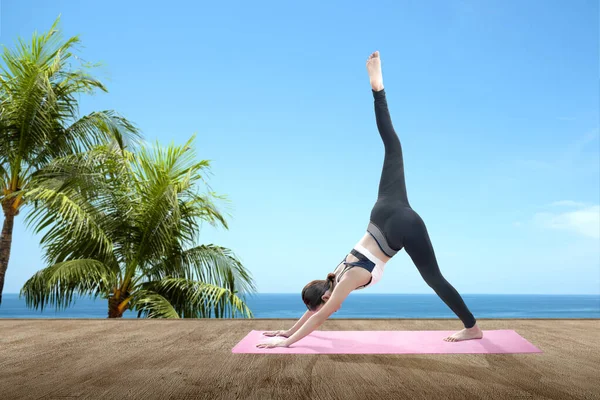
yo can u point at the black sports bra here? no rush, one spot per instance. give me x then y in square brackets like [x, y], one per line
[362, 262]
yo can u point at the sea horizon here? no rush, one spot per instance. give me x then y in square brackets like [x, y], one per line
[359, 306]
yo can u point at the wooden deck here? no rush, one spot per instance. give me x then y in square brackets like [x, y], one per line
[192, 359]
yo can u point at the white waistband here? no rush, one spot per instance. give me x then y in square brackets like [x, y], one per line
[369, 255]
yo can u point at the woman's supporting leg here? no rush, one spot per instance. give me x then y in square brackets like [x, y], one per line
[418, 246]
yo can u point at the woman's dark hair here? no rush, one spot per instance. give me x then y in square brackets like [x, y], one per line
[313, 291]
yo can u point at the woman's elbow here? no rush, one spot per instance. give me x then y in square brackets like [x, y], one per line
[323, 315]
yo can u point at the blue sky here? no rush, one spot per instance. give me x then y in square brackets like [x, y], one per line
[495, 102]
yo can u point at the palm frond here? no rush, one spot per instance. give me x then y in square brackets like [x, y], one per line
[152, 305]
[84, 206]
[194, 299]
[105, 126]
[73, 226]
[219, 266]
[57, 284]
[88, 132]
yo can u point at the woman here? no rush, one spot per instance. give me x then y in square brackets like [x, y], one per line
[393, 225]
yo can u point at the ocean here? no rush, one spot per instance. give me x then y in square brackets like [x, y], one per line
[362, 306]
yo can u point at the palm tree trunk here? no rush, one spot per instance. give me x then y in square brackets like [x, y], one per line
[6, 242]
[113, 307]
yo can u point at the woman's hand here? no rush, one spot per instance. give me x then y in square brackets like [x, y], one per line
[273, 344]
[277, 333]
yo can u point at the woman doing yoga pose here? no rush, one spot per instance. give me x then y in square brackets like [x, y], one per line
[393, 225]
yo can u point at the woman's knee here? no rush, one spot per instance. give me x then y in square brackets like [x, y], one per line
[435, 280]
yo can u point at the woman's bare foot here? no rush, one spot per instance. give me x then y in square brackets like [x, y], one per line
[468, 333]
[374, 69]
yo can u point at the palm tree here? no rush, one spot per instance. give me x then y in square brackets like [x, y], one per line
[39, 120]
[125, 227]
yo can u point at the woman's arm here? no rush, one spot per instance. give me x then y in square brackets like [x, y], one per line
[340, 292]
[312, 324]
[309, 313]
[300, 322]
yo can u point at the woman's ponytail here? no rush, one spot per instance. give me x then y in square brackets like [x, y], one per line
[331, 280]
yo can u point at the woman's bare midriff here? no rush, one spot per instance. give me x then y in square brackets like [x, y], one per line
[370, 244]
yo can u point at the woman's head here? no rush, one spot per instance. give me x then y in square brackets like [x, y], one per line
[317, 292]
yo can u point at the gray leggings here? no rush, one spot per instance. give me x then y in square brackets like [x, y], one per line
[395, 225]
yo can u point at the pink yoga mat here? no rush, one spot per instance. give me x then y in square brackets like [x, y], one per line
[391, 342]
